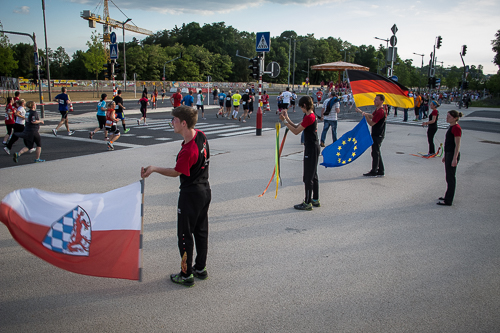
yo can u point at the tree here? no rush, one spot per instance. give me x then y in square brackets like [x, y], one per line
[95, 57]
[496, 48]
[7, 62]
[59, 61]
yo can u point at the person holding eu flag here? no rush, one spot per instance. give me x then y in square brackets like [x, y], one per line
[377, 121]
[309, 125]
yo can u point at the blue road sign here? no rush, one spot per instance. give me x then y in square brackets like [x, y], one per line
[394, 78]
[113, 51]
[36, 58]
[112, 38]
[263, 42]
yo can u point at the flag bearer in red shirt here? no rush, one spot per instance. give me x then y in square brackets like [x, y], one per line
[194, 197]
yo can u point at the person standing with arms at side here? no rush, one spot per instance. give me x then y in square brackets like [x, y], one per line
[30, 134]
[101, 117]
[194, 197]
[119, 110]
[176, 98]
[10, 120]
[309, 125]
[451, 156]
[63, 100]
[331, 107]
[188, 100]
[377, 121]
[319, 96]
[432, 129]
[144, 108]
[418, 103]
[199, 104]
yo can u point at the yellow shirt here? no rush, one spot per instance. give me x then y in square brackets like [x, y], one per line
[236, 99]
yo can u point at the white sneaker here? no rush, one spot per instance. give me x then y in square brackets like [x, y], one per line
[7, 150]
[71, 132]
[32, 150]
[138, 122]
[54, 131]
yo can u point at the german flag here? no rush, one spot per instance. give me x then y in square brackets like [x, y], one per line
[365, 86]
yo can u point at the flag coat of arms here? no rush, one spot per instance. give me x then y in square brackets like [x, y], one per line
[366, 85]
[349, 147]
[92, 234]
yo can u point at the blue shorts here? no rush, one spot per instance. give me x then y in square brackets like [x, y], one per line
[119, 115]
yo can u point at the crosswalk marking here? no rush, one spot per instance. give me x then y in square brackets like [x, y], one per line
[244, 132]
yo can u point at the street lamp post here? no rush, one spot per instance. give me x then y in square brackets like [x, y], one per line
[289, 56]
[308, 59]
[386, 40]
[421, 69]
[124, 55]
[47, 69]
[294, 48]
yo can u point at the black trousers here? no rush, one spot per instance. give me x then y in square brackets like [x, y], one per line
[192, 221]
[377, 164]
[13, 138]
[431, 132]
[310, 177]
[451, 179]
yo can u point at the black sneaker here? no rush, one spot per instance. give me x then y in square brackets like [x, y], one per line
[185, 281]
[370, 174]
[200, 274]
[380, 174]
[304, 206]
[315, 203]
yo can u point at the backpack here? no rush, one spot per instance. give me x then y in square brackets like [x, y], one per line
[330, 104]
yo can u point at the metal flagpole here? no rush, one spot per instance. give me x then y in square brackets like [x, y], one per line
[142, 230]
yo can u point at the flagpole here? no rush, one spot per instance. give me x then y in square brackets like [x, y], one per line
[142, 230]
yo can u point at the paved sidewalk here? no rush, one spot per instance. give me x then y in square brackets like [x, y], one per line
[378, 256]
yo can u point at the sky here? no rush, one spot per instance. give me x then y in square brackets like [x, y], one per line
[473, 23]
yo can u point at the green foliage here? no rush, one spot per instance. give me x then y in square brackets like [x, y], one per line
[95, 57]
[496, 48]
[493, 84]
[7, 62]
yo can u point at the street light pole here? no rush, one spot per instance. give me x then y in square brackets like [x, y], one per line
[124, 55]
[294, 48]
[47, 69]
[308, 59]
[421, 69]
[289, 56]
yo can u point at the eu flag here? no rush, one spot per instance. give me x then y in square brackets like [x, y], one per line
[349, 147]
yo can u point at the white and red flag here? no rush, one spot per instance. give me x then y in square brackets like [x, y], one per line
[91, 234]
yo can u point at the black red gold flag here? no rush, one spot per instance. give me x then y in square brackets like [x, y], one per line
[365, 86]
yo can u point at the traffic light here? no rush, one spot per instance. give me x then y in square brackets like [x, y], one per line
[464, 50]
[34, 77]
[255, 62]
[439, 42]
[466, 84]
[107, 68]
[42, 74]
[117, 69]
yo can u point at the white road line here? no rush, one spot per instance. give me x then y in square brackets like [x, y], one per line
[245, 132]
[74, 138]
[226, 130]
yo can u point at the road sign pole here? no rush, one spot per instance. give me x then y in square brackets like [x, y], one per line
[113, 76]
[258, 126]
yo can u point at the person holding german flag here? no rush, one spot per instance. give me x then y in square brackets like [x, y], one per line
[367, 87]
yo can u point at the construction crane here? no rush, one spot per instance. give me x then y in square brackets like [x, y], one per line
[110, 23]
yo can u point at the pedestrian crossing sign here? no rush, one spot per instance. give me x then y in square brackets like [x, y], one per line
[113, 51]
[263, 42]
